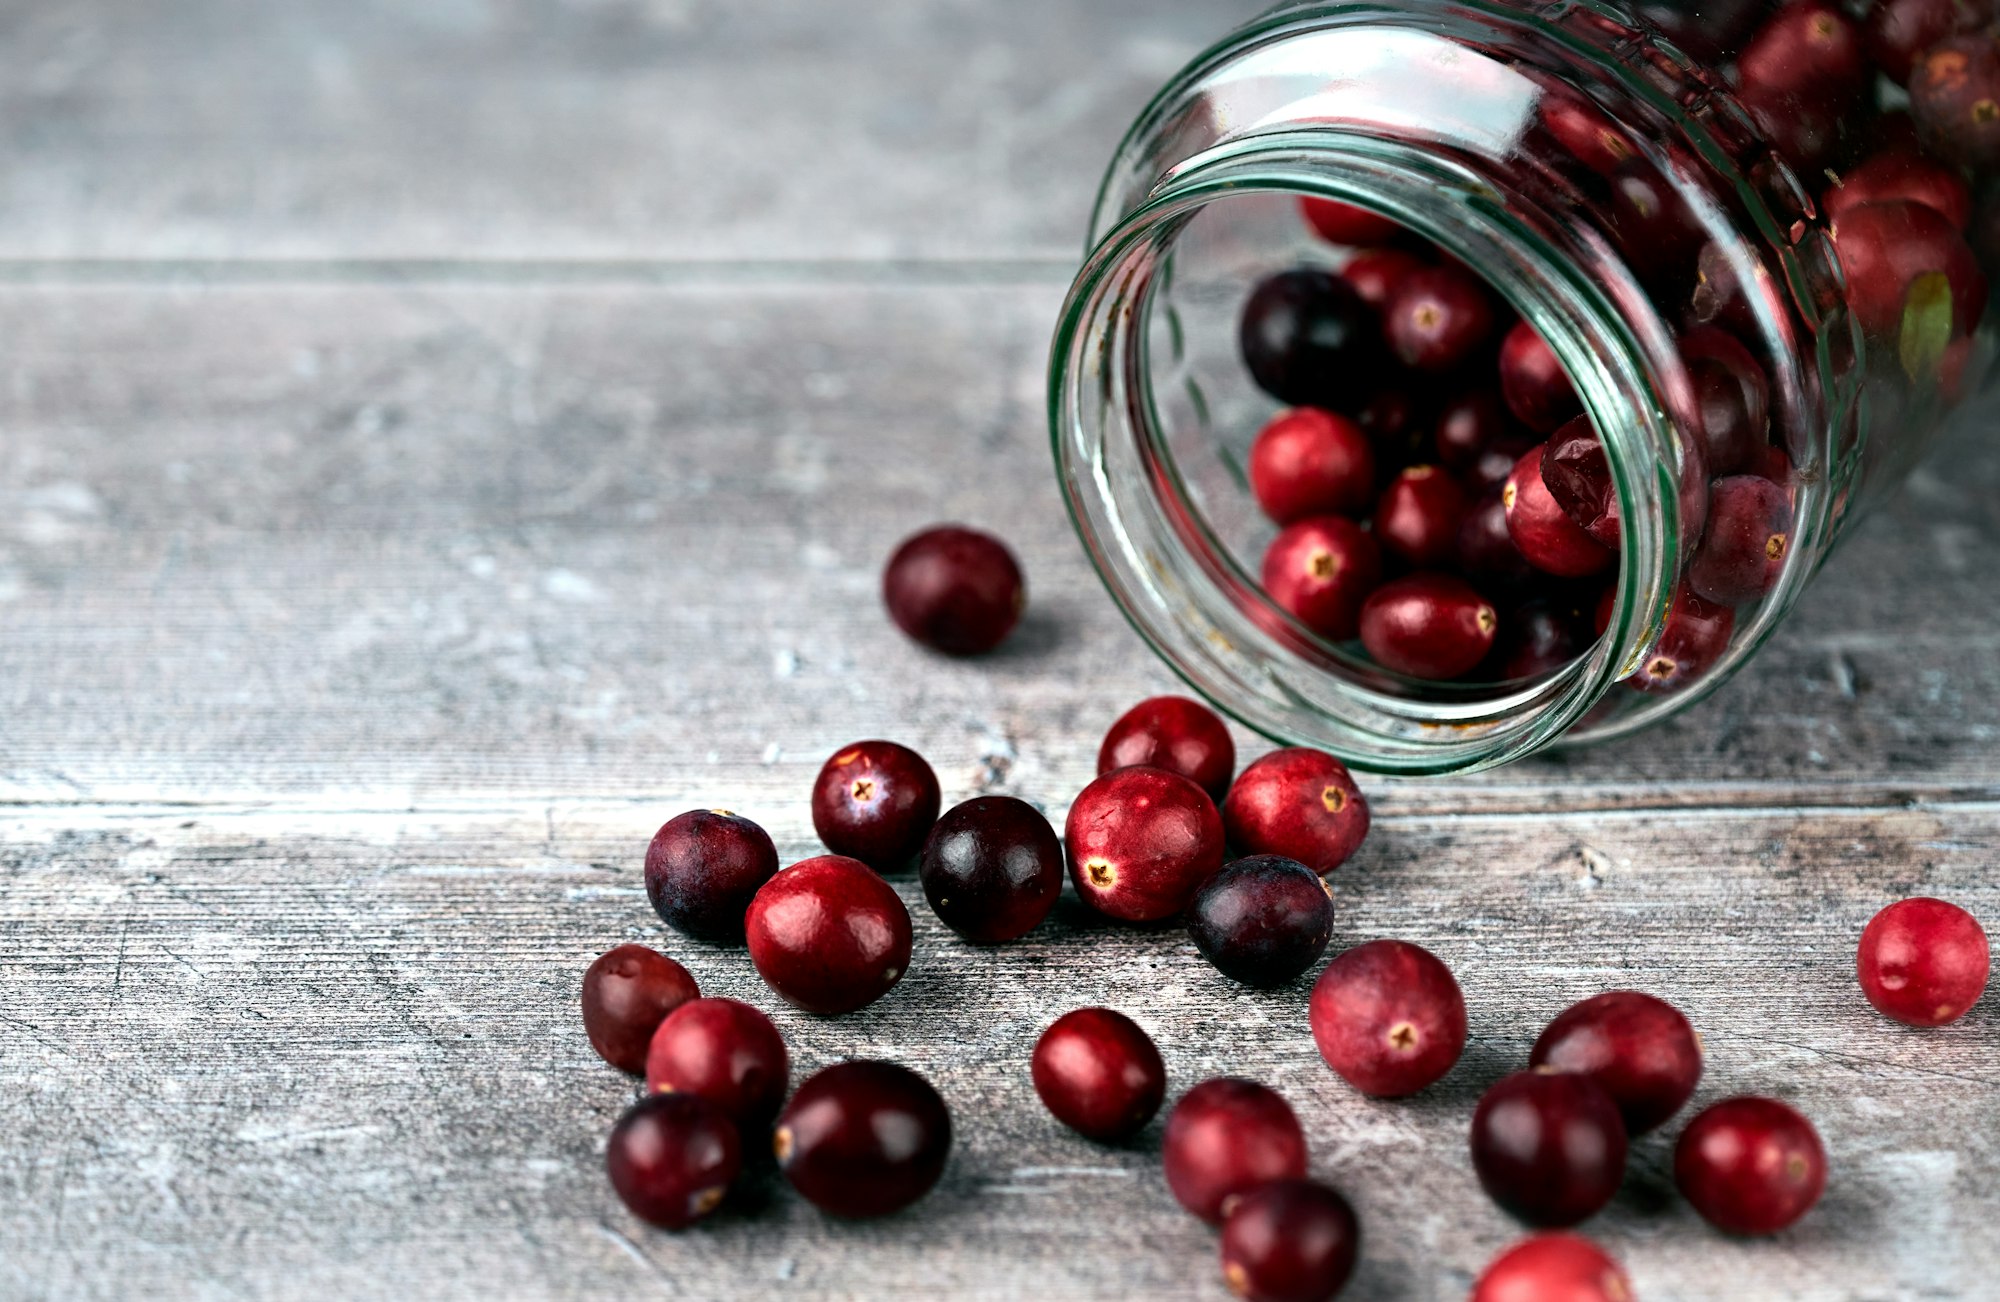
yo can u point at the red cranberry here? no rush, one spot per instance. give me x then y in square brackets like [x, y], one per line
[1471, 422]
[1554, 1268]
[1808, 49]
[1537, 388]
[1750, 1165]
[1175, 734]
[1299, 803]
[1388, 1017]
[1376, 274]
[1418, 516]
[955, 590]
[863, 1138]
[1289, 1241]
[702, 869]
[627, 992]
[672, 1157]
[1577, 474]
[1139, 841]
[1486, 550]
[1099, 1074]
[1659, 236]
[1906, 260]
[1810, 133]
[1923, 962]
[1308, 339]
[1548, 1146]
[992, 869]
[1733, 395]
[1346, 223]
[1955, 98]
[727, 1052]
[1641, 1050]
[1261, 920]
[829, 935]
[1898, 31]
[875, 801]
[1546, 536]
[1321, 570]
[1589, 135]
[1887, 178]
[1694, 637]
[1428, 626]
[1309, 462]
[1225, 1137]
[1541, 637]
[1749, 539]
[1438, 317]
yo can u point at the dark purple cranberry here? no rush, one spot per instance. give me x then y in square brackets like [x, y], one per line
[1537, 388]
[727, 1052]
[1694, 637]
[1548, 1146]
[1577, 474]
[1748, 541]
[1554, 1268]
[1175, 734]
[1546, 536]
[829, 935]
[1732, 395]
[1289, 1241]
[672, 1158]
[1376, 274]
[1346, 223]
[1099, 1074]
[702, 870]
[1889, 177]
[992, 869]
[1309, 340]
[1470, 423]
[1898, 31]
[1388, 1016]
[1438, 318]
[875, 801]
[1907, 267]
[863, 1138]
[1750, 1165]
[628, 992]
[1489, 473]
[1299, 803]
[1639, 1049]
[1924, 962]
[1320, 571]
[1139, 841]
[1417, 516]
[1955, 98]
[1225, 1137]
[1309, 462]
[1541, 637]
[1810, 133]
[955, 590]
[1659, 237]
[1428, 625]
[1261, 920]
[1486, 551]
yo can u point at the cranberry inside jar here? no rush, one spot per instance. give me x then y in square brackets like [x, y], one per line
[1660, 310]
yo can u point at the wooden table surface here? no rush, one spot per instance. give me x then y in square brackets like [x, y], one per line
[440, 441]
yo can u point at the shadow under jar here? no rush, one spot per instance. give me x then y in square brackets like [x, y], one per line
[1648, 194]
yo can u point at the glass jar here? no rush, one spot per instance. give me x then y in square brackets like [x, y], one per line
[1753, 262]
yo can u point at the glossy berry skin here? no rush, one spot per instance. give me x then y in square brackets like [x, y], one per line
[1139, 841]
[1437, 318]
[1732, 395]
[727, 1052]
[1906, 174]
[1900, 257]
[1750, 1165]
[1546, 536]
[1549, 1147]
[1261, 920]
[1486, 552]
[1225, 1137]
[1346, 223]
[1748, 541]
[1809, 50]
[1376, 274]
[672, 1158]
[992, 869]
[1694, 637]
[1955, 99]
[1638, 1048]
[829, 935]
[1175, 734]
[1289, 1241]
[1541, 636]
[1309, 462]
[1308, 339]
[627, 992]
[1099, 1074]
[875, 801]
[1388, 1017]
[1536, 387]
[1417, 517]
[1427, 625]
[863, 1138]
[1577, 474]
[1320, 571]
[1469, 423]
[1591, 137]
[1554, 1268]
[955, 590]
[1898, 31]
[1300, 803]
[702, 869]
[1923, 962]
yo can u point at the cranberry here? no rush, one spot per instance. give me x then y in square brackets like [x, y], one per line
[1139, 841]
[1261, 920]
[702, 869]
[1548, 1146]
[1898, 31]
[1225, 1137]
[1175, 734]
[829, 935]
[1289, 1241]
[626, 993]
[1808, 49]
[1308, 339]
[1346, 223]
[1748, 541]
[1694, 637]
[1438, 317]
[1553, 1268]
[1886, 178]
[1640, 1049]
[955, 590]
[1709, 30]
[1750, 1165]
[1321, 570]
[1923, 962]
[1577, 474]
[728, 1053]
[1099, 1074]
[1299, 803]
[1541, 637]
[1906, 261]
[1376, 274]
[1309, 462]
[1428, 626]
[1955, 98]
[1733, 395]
[1537, 388]
[1592, 138]
[1486, 550]
[1418, 516]
[1489, 473]
[1810, 133]
[992, 869]
[875, 801]
[863, 1138]
[1547, 537]
[1653, 226]
[672, 1157]
[1471, 422]
[1388, 1017]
